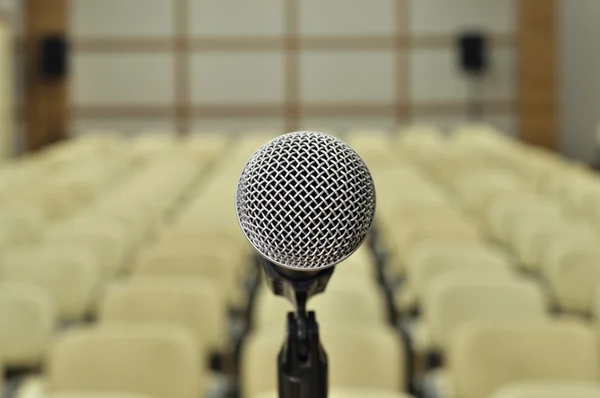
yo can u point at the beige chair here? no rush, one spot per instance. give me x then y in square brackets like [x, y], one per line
[159, 362]
[456, 299]
[406, 241]
[135, 218]
[191, 234]
[478, 188]
[105, 225]
[107, 245]
[418, 139]
[87, 394]
[349, 305]
[25, 225]
[549, 389]
[580, 191]
[28, 321]
[534, 238]
[192, 304]
[199, 264]
[353, 393]
[211, 241]
[270, 310]
[207, 144]
[361, 356]
[573, 234]
[506, 211]
[439, 257]
[405, 216]
[355, 303]
[573, 271]
[354, 273]
[69, 275]
[484, 357]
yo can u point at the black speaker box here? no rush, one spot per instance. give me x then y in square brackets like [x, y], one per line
[53, 56]
[472, 47]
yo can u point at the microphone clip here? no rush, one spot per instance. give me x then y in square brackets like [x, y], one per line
[297, 286]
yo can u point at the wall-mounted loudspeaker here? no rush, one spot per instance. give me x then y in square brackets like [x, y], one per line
[53, 51]
[472, 48]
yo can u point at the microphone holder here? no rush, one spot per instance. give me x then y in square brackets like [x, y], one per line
[302, 362]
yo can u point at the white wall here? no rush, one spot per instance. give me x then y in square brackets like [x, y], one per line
[579, 64]
[257, 78]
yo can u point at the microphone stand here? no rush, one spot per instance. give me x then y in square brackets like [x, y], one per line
[302, 362]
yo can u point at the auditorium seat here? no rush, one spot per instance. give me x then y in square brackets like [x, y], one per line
[103, 224]
[206, 240]
[68, 274]
[355, 393]
[24, 224]
[456, 299]
[342, 303]
[134, 218]
[361, 356]
[439, 256]
[484, 357]
[348, 304]
[270, 311]
[207, 144]
[412, 209]
[213, 266]
[505, 211]
[477, 188]
[192, 233]
[354, 271]
[533, 240]
[549, 389]
[408, 238]
[572, 271]
[106, 244]
[28, 319]
[155, 361]
[373, 146]
[580, 191]
[87, 394]
[191, 303]
[416, 140]
[368, 140]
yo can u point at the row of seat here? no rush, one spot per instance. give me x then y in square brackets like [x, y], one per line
[58, 274]
[452, 235]
[181, 286]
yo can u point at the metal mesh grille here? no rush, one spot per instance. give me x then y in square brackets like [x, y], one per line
[305, 200]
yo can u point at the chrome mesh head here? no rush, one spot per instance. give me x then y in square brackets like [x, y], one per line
[305, 200]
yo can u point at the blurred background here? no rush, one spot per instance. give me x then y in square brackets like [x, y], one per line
[181, 66]
[124, 125]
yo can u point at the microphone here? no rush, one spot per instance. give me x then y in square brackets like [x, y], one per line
[305, 201]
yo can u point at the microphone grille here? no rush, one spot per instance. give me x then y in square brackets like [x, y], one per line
[305, 200]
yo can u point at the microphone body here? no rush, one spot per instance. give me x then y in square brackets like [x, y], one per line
[305, 201]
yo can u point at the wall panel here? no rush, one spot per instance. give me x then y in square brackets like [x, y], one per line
[234, 78]
[118, 79]
[122, 18]
[290, 64]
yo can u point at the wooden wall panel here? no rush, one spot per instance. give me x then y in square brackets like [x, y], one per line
[47, 101]
[537, 74]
